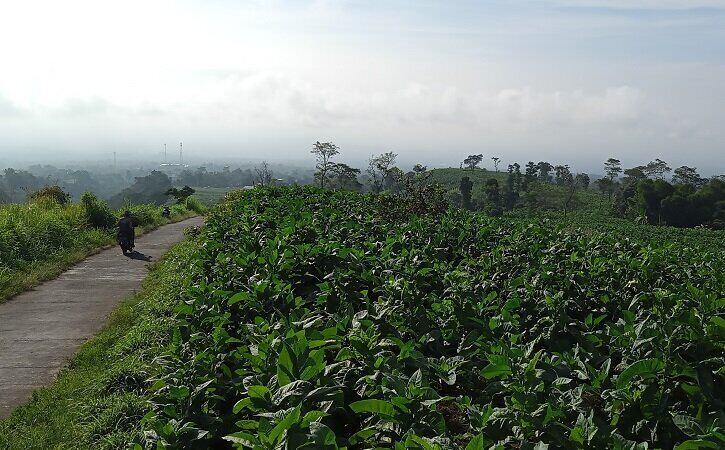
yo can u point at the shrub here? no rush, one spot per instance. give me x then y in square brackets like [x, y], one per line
[98, 214]
[193, 204]
[53, 193]
[144, 214]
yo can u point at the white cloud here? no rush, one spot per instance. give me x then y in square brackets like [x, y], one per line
[9, 109]
[646, 4]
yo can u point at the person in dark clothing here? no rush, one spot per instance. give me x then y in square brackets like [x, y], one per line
[126, 233]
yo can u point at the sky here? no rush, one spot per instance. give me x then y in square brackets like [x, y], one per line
[564, 81]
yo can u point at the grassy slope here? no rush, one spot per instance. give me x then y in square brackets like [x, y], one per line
[93, 241]
[208, 196]
[95, 402]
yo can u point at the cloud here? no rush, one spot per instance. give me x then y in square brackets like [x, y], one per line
[8, 109]
[261, 98]
[645, 4]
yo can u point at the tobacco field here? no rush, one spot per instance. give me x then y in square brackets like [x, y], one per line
[313, 321]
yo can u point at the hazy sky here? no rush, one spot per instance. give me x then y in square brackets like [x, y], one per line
[433, 80]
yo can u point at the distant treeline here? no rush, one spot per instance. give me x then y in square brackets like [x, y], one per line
[16, 185]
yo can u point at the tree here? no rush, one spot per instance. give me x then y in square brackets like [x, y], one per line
[612, 167]
[419, 168]
[323, 151]
[656, 169]
[687, 175]
[511, 190]
[149, 189]
[649, 198]
[493, 197]
[634, 174]
[544, 168]
[345, 177]
[466, 188]
[567, 181]
[53, 193]
[560, 172]
[379, 170]
[606, 185]
[265, 174]
[495, 160]
[532, 171]
[472, 161]
[180, 194]
[582, 180]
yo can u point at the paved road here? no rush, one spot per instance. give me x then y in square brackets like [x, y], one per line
[42, 328]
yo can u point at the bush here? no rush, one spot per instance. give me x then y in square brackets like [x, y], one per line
[53, 193]
[98, 214]
[144, 215]
[193, 204]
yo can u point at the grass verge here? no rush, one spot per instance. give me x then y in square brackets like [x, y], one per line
[97, 401]
[17, 282]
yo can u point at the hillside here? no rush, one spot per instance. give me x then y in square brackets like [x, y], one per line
[306, 316]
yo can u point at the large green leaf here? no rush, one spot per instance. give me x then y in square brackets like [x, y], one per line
[644, 368]
[374, 406]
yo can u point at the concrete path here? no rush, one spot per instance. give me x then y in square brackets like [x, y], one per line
[42, 328]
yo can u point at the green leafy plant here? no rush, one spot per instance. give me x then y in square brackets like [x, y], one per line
[315, 321]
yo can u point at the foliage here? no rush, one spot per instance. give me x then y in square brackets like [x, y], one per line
[50, 193]
[612, 167]
[466, 187]
[98, 214]
[472, 161]
[682, 205]
[344, 177]
[314, 322]
[180, 194]
[194, 204]
[324, 152]
[380, 171]
[264, 174]
[151, 188]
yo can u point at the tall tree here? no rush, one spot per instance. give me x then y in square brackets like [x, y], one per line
[495, 160]
[493, 197]
[472, 161]
[466, 187]
[511, 190]
[656, 169]
[380, 170]
[419, 168]
[559, 173]
[687, 175]
[612, 167]
[324, 151]
[582, 179]
[344, 177]
[567, 181]
[606, 185]
[264, 174]
[634, 174]
[544, 169]
[532, 171]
